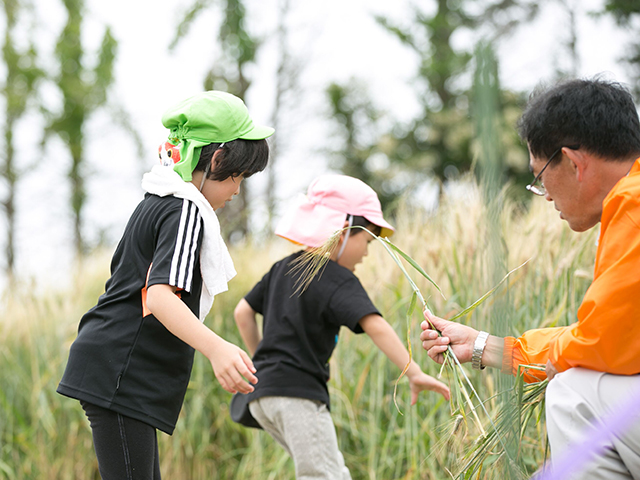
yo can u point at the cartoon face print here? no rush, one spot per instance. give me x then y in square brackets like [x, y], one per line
[169, 154]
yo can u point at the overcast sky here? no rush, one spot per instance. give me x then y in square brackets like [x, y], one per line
[335, 39]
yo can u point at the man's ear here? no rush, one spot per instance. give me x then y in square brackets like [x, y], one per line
[579, 161]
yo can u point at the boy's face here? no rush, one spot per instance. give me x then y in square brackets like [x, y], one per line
[356, 249]
[219, 192]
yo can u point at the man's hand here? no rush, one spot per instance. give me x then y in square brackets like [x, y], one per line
[460, 337]
[551, 370]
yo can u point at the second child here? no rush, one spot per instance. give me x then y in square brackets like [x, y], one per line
[300, 331]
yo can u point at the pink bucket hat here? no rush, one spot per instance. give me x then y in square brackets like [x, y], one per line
[314, 217]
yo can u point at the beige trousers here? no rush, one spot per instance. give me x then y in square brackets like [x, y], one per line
[306, 431]
[581, 408]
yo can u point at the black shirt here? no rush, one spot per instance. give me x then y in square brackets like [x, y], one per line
[300, 331]
[124, 359]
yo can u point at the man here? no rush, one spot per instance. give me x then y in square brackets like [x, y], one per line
[584, 143]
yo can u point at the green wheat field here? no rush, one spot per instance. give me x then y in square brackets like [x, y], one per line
[44, 435]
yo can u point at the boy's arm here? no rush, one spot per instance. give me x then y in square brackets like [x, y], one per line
[245, 317]
[230, 363]
[386, 339]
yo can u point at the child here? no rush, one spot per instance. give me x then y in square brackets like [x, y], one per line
[291, 401]
[131, 362]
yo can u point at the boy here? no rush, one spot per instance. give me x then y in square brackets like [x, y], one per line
[131, 362]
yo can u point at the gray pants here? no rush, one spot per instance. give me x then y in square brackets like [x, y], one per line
[577, 401]
[306, 431]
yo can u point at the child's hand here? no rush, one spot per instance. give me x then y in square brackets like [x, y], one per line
[230, 363]
[421, 381]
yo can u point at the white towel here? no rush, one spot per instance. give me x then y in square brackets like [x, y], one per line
[216, 265]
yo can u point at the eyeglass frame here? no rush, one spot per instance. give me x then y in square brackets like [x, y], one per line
[532, 186]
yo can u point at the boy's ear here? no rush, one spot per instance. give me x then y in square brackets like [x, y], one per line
[215, 159]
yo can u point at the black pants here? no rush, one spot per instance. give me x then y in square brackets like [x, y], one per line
[127, 449]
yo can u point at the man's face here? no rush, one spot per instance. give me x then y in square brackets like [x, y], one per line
[571, 190]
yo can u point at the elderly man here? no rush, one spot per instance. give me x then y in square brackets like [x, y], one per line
[584, 143]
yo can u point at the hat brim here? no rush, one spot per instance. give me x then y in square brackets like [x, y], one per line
[258, 132]
[386, 230]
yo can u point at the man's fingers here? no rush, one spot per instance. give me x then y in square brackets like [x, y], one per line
[436, 353]
[429, 335]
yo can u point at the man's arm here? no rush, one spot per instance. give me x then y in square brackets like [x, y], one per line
[245, 318]
[229, 362]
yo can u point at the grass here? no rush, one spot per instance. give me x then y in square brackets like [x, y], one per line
[44, 435]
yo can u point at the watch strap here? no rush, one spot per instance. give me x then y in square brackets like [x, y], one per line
[478, 350]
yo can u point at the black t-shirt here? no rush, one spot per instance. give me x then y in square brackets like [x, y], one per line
[300, 331]
[124, 359]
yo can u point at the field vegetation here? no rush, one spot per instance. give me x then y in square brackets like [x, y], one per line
[44, 435]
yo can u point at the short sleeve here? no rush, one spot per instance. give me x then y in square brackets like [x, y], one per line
[177, 248]
[349, 303]
[256, 297]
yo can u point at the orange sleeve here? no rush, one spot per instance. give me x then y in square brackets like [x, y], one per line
[607, 335]
[531, 348]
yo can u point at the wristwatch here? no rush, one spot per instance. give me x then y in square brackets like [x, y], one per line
[478, 349]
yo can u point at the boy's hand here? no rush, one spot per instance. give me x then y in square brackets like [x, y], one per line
[422, 381]
[230, 364]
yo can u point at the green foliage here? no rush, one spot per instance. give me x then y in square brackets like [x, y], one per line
[622, 10]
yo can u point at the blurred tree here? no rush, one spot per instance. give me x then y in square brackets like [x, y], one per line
[229, 73]
[84, 90]
[357, 119]
[571, 44]
[627, 14]
[18, 88]
[287, 92]
[440, 140]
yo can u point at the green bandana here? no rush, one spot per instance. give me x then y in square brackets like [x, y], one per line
[209, 117]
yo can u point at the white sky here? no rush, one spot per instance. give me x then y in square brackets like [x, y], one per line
[336, 40]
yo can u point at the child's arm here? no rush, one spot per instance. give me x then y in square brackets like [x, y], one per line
[230, 363]
[386, 339]
[245, 317]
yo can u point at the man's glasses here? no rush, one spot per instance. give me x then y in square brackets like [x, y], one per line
[539, 189]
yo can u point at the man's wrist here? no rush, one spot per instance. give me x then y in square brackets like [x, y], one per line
[478, 349]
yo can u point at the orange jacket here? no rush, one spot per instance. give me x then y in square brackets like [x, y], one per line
[606, 336]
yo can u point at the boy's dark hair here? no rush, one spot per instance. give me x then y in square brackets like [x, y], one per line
[598, 115]
[359, 221]
[239, 157]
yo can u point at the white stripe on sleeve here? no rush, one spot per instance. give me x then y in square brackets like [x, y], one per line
[192, 254]
[175, 259]
[186, 249]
